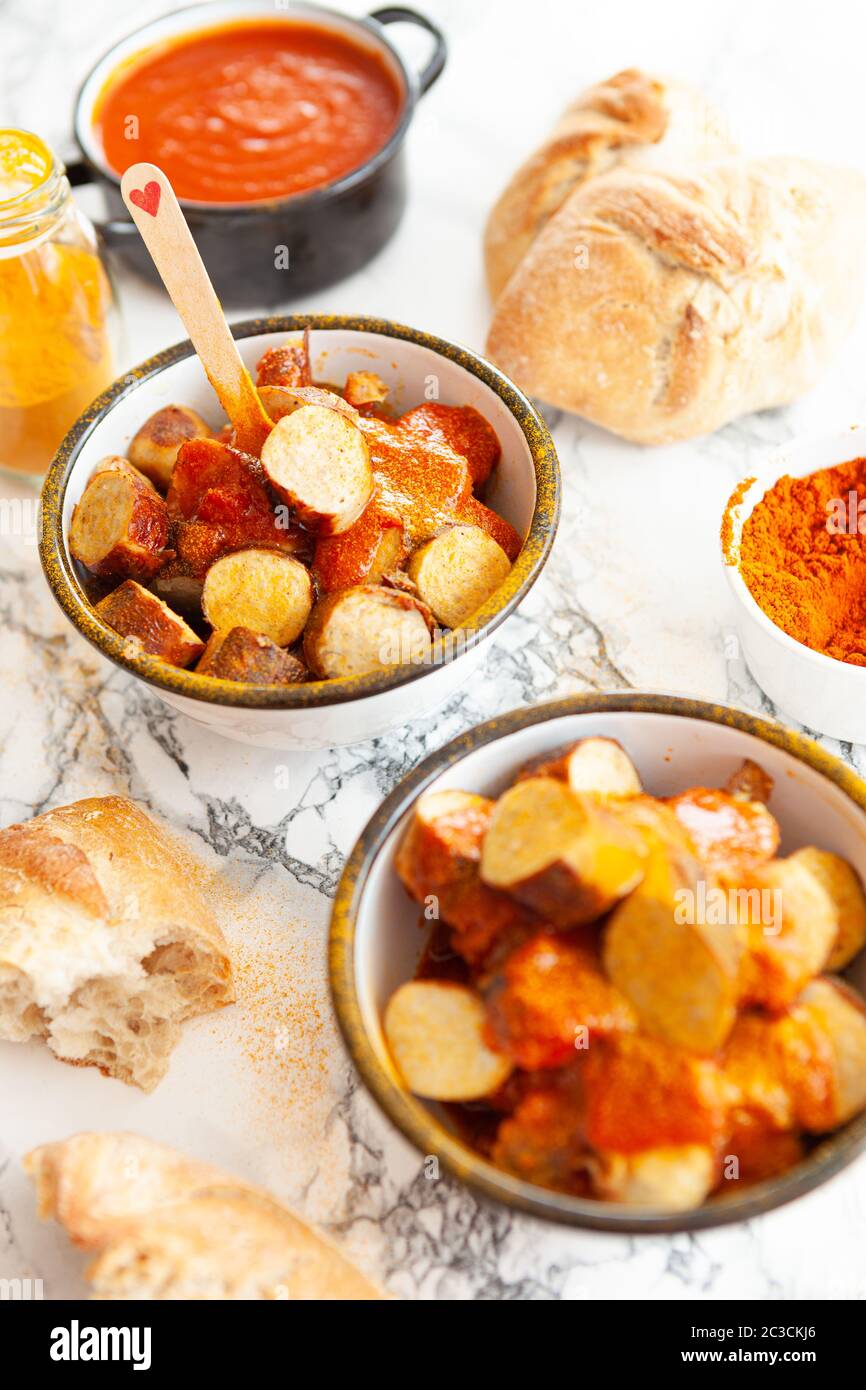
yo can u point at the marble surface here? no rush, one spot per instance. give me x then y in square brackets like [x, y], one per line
[633, 597]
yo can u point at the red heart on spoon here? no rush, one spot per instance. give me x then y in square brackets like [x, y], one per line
[146, 198]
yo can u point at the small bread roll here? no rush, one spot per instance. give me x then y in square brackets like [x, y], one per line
[731, 835]
[154, 448]
[367, 628]
[120, 525]
[671, 1178]
[263, 590]
[435, 1032]
[318, 462]
[680, 973]
[792, 926]
[845, 891]
[597, 766]
[458, 571]
[136, 613]
[242, 655]
[558, 853]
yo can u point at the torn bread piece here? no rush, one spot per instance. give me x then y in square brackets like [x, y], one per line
[559, 853]
[597, 766]
[120, 525]
[435, 1031]
[154, 448]
[263, 590]
[319, 463]
[368, 628]
[242, 655]
[458, 571]
[138, 614]
[105, 945]
[163, 1226]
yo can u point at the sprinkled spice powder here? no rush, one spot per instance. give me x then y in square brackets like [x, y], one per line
[803, 558]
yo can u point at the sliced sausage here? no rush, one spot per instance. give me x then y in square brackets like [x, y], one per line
[154, 448]
[550, 998]
[731, 835]
[642, 1094]
[364, 554]
[845, 891]
[558, 853]
[262, 590]
[242, 655]
[136, 613]
[674, 1177]
[365, 388]
[319, 464]
[463, 429]
[288, 365]
[458, 571]
[206, 464]
[679, 970]
[178, 586]
[441, 846]
[284, 400]
[367, 628]
[597, 766]
[791, 925]
[750, 783]
[474, 513]
[120, 525]
[435, 1033]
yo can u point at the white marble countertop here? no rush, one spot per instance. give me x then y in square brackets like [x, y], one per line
[633, 597]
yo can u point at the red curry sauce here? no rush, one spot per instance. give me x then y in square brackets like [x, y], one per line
[250, 111]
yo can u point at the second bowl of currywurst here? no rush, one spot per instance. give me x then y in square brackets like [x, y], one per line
[605, 960]
[345, 579]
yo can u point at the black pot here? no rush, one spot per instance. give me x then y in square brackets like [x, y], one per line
[327, 233]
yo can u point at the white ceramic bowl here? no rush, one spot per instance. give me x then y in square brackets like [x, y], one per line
[825, 695]
[320, 714]
[376, 944]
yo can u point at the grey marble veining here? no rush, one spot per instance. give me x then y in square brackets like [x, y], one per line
[633, 597]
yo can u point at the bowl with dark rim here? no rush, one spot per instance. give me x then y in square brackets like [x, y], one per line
[375, 941]
[525, 489]
[330, 231]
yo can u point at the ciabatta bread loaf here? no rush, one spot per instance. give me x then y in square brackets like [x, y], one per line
[632, 119]
[663, 305]
[168, 1227]
[105, 945]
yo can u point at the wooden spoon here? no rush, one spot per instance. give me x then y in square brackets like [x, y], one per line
[157, 214]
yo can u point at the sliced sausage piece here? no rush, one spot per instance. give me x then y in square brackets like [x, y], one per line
[154, 448]
[179, 587]
[679, 969]
[597, 766]
[845, 891]
[242, 655]
[365, 388]
[458, 571]
[760, 1152]
[750, 783]
[262, 590]
[366, 629]
[288, 365]
[441, 847]
[558, 853]
[435, 1033]
[474, 513]
[120, 525]
[204, 465]
[136, 613]
[364, 554]
[318, 462]
[674, 1177]
[550, 999]
[792, 926]
[834, 1016]
[643, 1094]
[284, 400]
[463, 429]
[731, 835]
[542, 1141]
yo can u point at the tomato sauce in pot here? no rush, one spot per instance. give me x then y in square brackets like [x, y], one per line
[250, 111]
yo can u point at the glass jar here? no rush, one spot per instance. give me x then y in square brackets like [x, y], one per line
[58, 320]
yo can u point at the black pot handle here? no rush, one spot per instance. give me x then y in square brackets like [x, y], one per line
[79, 172]
[398, 14]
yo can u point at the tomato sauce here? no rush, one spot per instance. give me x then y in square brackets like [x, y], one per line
[250, 111]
